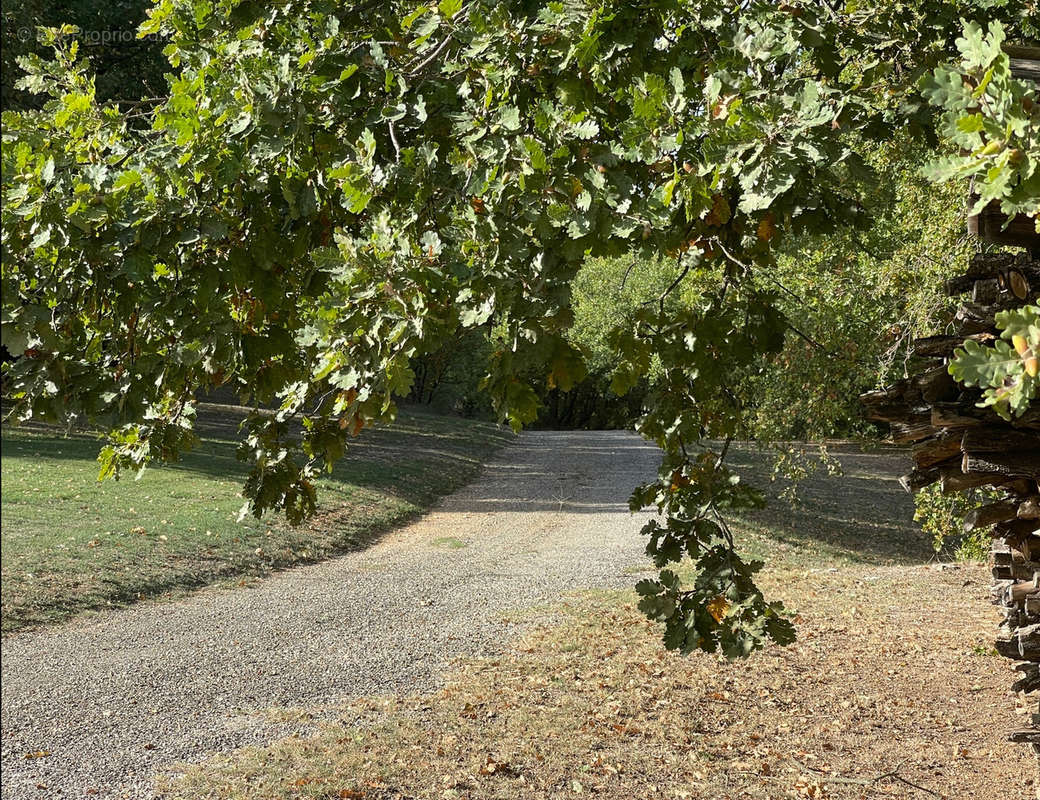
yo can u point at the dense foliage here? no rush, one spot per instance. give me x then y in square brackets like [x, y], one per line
[331, 191]
[856, 298]
[941, 516]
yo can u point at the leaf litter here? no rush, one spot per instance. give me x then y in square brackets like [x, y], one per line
[890, 691]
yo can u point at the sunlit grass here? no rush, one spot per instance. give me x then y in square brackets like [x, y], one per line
[72, 544]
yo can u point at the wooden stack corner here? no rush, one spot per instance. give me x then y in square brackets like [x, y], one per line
[961, 446]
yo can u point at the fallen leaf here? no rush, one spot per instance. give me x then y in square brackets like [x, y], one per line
[493, 767]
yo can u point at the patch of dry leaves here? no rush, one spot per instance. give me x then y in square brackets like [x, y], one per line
[891, 691]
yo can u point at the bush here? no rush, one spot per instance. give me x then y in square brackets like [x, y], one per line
[941, 517]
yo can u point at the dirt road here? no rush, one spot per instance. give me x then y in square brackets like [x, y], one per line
[96, 706]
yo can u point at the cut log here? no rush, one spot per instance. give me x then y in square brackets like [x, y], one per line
[1029, 545]
[935, 450]
[998, 549]
[1024, 61]
[995, 265]
[997, 284]
[992, 225]
[1030, 680]
[936, 385]
[1024, 584]
[954, 479]
[1000, 440]
[1022, 486]
[917, 479]
[1019, 283]
[962, 284]
[984, 265]
[1016, 464]
[1029, 508]
[985, 291]
[965, 414]
[984, 516]
[972, 319]
[884, 406]
[912, 430]
[943, 346]
[1013, 530]
[1022, 644]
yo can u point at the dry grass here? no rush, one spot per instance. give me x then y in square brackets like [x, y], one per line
[891, 691]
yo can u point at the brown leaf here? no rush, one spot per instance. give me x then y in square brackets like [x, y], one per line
[767, 227]
[493, 767]
[720, 211]
[718, 608]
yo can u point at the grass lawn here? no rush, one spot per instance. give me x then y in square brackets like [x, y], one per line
[863, 517]
[71, 544]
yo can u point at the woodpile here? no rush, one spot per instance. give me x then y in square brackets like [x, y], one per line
[960, 446]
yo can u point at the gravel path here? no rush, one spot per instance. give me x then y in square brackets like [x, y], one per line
[116, 698]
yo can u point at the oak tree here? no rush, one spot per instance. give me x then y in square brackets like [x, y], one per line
[330, 190]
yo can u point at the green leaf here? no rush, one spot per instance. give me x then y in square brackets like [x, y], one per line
[449, 8]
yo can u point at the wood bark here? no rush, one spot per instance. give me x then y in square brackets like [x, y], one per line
[962, 447]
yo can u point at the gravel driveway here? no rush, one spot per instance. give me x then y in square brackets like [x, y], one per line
[113, 699]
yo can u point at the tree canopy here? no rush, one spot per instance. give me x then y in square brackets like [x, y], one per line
[329, 191]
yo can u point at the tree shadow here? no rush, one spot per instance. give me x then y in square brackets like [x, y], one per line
[862, 515]
[394, 460]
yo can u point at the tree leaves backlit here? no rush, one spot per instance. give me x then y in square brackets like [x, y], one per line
[330, 190]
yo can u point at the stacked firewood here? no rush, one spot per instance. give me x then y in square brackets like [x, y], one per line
[962, 447]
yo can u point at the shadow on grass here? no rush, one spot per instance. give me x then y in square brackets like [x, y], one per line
[862, 516]
[389, 477]
[394, 460]
[71, 545]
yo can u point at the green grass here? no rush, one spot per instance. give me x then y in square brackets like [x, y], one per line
[862, 518]
[448, 542]
[71, 544]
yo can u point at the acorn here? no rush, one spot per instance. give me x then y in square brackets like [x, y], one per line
[992, 148]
